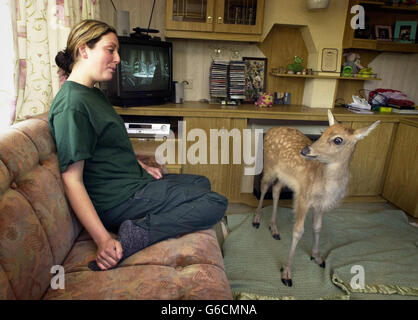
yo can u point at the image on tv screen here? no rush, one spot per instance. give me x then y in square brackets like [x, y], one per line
[144, 68]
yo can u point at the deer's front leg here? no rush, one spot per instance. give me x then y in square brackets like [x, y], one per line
[300, 212]
[316, 228]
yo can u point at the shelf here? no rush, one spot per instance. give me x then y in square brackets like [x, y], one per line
[383, 5]
[387, 46]
[284, 75]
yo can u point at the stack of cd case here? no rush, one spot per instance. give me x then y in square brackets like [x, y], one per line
[236, 80]
[219, 79]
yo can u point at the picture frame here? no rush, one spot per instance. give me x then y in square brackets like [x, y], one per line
[329, 60]
[405, 31]
[255, 77]
[383, 33]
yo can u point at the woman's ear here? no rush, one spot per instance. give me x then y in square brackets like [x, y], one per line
[82, 50]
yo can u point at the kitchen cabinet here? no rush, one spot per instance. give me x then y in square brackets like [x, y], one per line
[239, 20]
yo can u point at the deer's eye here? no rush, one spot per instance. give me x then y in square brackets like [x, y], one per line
[338, 140]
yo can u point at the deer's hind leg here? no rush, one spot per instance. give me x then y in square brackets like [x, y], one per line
[277, 187]
[266, 182]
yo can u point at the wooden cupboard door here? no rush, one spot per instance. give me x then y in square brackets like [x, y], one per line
[189, 15]
[369, 160]
[239, 16]
[224, 175]
[401, 185]
[237, 170]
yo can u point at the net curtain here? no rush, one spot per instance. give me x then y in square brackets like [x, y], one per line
[40, 29]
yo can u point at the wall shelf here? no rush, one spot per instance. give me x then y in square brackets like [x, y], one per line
[383, 46]
[285, 75]
[379, 13]
[383, 5]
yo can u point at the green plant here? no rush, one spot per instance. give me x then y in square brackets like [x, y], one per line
[296, 66]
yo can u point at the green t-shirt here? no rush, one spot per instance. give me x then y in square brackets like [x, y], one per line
[86, 127]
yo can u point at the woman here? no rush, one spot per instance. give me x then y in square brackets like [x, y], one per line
[107, 187]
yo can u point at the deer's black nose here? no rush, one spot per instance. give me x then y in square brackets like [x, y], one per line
[305, 151]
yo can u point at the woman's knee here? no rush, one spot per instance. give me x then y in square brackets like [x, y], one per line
[203, 182]
[218, 205]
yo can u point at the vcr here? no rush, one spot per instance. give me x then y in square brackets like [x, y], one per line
[147, 127]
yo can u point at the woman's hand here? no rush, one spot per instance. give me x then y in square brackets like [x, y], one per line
[155, 172]
[109, 253]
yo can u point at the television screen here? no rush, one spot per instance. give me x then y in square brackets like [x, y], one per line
[144, 75]
[144, 68]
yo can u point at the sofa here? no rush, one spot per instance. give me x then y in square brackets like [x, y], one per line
[40, 235]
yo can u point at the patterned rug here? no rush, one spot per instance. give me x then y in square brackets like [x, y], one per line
[368, 254]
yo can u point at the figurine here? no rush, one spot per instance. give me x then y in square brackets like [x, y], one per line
[352, 64]
[265, 100]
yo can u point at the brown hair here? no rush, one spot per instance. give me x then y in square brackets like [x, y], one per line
[86, 32]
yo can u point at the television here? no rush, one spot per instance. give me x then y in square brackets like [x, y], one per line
[144, 75]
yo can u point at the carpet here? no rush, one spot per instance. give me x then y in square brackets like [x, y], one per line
[368, 254]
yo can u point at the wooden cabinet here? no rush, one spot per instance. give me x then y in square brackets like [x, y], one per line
[240, 20]
[378, 13]
[224, 174]
[370, 160]
[190, 15]
[401, 185]
[372, 174]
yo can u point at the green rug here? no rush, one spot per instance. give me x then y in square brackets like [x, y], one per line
[381, 243]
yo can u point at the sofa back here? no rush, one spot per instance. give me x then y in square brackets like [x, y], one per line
[37, 226]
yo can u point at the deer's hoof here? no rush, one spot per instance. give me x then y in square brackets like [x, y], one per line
[274, 233]
[287, 282]
[322, 265]
[256, 225]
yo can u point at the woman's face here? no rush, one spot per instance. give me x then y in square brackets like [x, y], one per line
[103, 58]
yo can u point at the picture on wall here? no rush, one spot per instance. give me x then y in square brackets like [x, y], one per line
[405, 31]
[383, 33]
[255, 77]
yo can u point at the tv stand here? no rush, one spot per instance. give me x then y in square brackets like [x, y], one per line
[143, 34]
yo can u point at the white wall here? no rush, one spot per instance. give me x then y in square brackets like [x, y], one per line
[398, 72]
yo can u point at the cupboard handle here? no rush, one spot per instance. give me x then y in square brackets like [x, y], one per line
[209, 19]
[219, 19]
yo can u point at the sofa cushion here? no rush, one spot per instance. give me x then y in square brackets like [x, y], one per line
[188, 267]
[37, 228]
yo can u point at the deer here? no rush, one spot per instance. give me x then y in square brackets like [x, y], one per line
[317, 173]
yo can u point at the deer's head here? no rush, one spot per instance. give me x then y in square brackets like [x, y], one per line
[337, 143]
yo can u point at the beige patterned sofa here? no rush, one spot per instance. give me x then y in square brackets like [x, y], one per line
[38, 231]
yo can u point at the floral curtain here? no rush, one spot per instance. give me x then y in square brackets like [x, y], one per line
[41, 28]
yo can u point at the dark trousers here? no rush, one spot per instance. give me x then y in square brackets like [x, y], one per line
[169, 207]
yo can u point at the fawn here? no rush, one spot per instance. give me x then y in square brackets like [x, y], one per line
[318, 174]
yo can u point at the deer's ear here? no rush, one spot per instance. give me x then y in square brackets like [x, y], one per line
[363, 132]
[331, 119]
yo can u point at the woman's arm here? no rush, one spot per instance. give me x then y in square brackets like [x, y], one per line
[109, 250]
